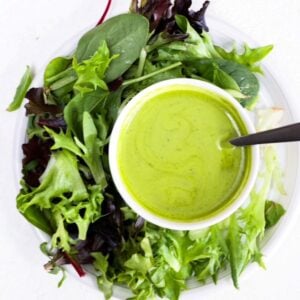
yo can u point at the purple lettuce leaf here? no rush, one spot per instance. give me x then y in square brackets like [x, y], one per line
[36, 156]
[37, 105]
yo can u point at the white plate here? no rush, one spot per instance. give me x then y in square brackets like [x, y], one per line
[271, 94]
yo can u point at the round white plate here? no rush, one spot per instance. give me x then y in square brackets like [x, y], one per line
[271, 94]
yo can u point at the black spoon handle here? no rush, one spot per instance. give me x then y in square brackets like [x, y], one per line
[289, 133]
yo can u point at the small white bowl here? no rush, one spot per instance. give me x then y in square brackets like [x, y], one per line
[139, 100]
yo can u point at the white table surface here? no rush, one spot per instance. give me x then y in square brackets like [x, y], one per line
[30, 31]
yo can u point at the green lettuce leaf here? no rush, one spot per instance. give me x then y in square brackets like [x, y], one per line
[101, 265]
[63, 193]
[92, 103]
[91, 72]
[248, 57]
[91, 148]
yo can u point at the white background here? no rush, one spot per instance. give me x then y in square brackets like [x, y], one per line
[30, 31]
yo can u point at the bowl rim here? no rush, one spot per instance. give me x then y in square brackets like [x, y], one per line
[138, 101]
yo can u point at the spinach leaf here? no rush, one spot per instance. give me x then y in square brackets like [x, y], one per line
[21, 90]
[247, 81]
[126, 35]
[210, 70]
[112, 105]
[229, 75]
[273, 212]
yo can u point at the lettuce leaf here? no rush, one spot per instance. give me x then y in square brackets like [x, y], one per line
[91, 150]
[91, 72]
[63, 193]
[21, 90]
[101, 265]
[248, 57]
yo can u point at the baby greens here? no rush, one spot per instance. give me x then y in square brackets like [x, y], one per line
[67, 190]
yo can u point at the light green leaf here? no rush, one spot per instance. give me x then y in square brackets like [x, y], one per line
[92, 153]
[248, 56]
[101, 265]
[63, 192]
[91, 71]
[139, 263]
[56, 69]
[21, 90]
[236, 250]
[63, 141]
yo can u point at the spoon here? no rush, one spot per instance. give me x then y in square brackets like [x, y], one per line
[289, 133]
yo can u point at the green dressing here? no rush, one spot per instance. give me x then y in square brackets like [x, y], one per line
[174, 156]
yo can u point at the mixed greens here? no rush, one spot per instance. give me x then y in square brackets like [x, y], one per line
[67, 189]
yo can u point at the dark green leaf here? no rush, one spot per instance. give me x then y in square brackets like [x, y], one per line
[125, 35]
[232, 76]
[112, 105]
[210, 70]
[273, 213]
[246, 80]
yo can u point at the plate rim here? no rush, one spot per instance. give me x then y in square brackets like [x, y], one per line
[282, 229]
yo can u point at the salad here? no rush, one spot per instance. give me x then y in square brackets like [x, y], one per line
[67, 190]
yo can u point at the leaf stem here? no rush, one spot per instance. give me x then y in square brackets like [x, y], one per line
[142, 61]
[136, 80]
[62, 74]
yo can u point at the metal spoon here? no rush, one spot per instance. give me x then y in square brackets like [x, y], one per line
[289, 133]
